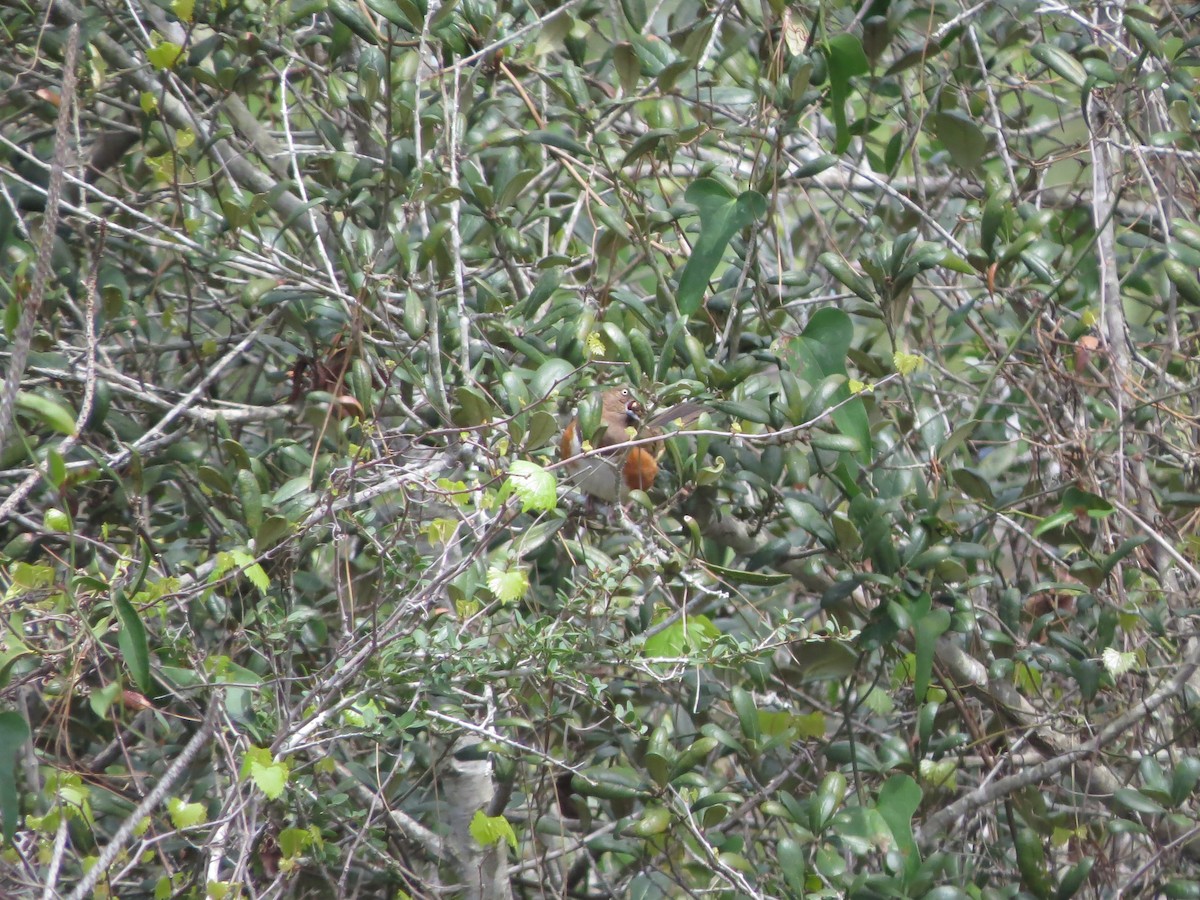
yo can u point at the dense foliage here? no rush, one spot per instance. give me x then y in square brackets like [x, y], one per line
[297, 600]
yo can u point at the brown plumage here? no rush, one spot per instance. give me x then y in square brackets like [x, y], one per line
[611, 476]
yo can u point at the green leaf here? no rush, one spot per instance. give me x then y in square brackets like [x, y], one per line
[721, 216]
[395, 14]
[810, 725]
[927, 629]
[827, 800]
[962, 138]
[1184, 779]
[679, 638]
[294, 841]
[559, 141]
[268, 774]
[53, 414]
[791, 859]
[821, 352]
[488, 830]
[509, 585]
[846, 58]
[537, 488]
[740, 576]
[164, 55]
[843, 272]
[132, 641]
[56, 520]
[14, 732]
[629, 67]
[185, 815]
[654, 820]
[747, 713]
[1060, 62]
[352, 17]
[1137, 801]
[1074, 879]
[102, 699]
[898, 801]
[251, 569]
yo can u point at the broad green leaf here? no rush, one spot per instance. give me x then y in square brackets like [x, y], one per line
[847, 275]
[679, 638]
[14, 732]
[721, 217]
[792, 862]
[962, 138]
[559, 141]
[821, 352]
[897, 802]
[1076, 500]
[846, 58]
[102, 699]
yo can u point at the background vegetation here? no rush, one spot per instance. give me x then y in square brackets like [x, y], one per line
[296, 297]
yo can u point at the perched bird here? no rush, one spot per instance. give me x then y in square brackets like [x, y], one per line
[611, 474]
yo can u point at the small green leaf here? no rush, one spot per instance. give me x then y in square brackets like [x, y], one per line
[294, 841]
[1060, 62]
[1184, 778]
[164, 55]
[102, 699]
[56, 520]
[268, 774]
[843, 272]
[559, 141]
[132, 641]
[654, 820]
[1074, 879]
[1075, 500]
[488, 830]
[1118, 662]
[906, 363]
[509, 585]
[251, 569]
[740, 576]
[185, 815]
[792, 861]
[537, 488]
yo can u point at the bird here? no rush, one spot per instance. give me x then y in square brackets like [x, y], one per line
[611, 475]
